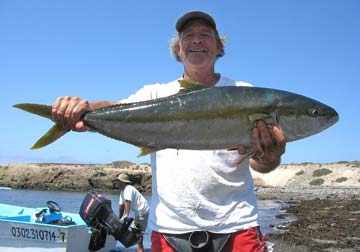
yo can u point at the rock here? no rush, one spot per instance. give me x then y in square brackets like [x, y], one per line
[314, 226]
[74, 177]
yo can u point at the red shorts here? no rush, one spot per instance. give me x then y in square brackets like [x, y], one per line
[249, 240]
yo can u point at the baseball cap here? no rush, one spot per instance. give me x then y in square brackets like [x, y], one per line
[194, 15]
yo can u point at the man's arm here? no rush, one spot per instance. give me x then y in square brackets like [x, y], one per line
[121, 210]
[124, 209]
[127, 207]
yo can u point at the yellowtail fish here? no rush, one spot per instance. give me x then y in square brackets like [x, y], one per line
[199, 118]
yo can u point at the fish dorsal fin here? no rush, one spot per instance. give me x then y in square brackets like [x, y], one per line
[189, 86]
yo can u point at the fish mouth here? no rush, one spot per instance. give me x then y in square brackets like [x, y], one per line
[335, 118]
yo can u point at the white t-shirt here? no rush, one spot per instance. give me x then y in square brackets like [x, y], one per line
[139, 204]
[198, 190]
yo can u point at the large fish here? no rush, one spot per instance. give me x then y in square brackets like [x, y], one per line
[204, 119]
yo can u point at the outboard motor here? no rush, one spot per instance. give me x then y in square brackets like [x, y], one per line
[96, 211]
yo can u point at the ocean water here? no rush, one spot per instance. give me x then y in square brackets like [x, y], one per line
[71, 201]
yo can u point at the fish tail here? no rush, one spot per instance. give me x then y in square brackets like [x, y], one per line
[37, 109]
[54, 132]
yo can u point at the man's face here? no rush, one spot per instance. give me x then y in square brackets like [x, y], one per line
[121, 185]
[198, 46]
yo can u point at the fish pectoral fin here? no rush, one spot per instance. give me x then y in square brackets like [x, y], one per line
[189, 86]
[258, 116]
[51, 136]
[232, 149]
[146, 150]
[247, 155]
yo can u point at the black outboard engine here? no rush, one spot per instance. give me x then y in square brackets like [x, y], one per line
[96, 211]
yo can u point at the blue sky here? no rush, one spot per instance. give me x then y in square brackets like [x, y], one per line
[106, 50]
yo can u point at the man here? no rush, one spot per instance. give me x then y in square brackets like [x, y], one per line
[132, 199]
[201, 199]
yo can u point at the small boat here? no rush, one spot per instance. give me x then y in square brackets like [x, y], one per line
[24, 229]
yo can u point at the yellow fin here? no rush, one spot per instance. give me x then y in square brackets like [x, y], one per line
[248, 155]
[189, 86]
[51, 136]
[146, 150]
[37, 109]
[258, 116]
[45, 111]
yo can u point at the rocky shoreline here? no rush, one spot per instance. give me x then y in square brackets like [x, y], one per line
[323, 219]
[74, 177]
[322, 199]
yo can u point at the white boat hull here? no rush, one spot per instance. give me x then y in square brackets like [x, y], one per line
[18, 233]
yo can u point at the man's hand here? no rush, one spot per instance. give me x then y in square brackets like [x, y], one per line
[68, 111]
[269, 144]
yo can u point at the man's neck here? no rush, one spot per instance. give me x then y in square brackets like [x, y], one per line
[207, 78]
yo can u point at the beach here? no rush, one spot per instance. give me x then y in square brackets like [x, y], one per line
[323, 200]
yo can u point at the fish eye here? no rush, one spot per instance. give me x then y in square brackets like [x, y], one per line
[314, 112]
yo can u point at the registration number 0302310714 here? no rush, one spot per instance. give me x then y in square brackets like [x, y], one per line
[39, 234]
